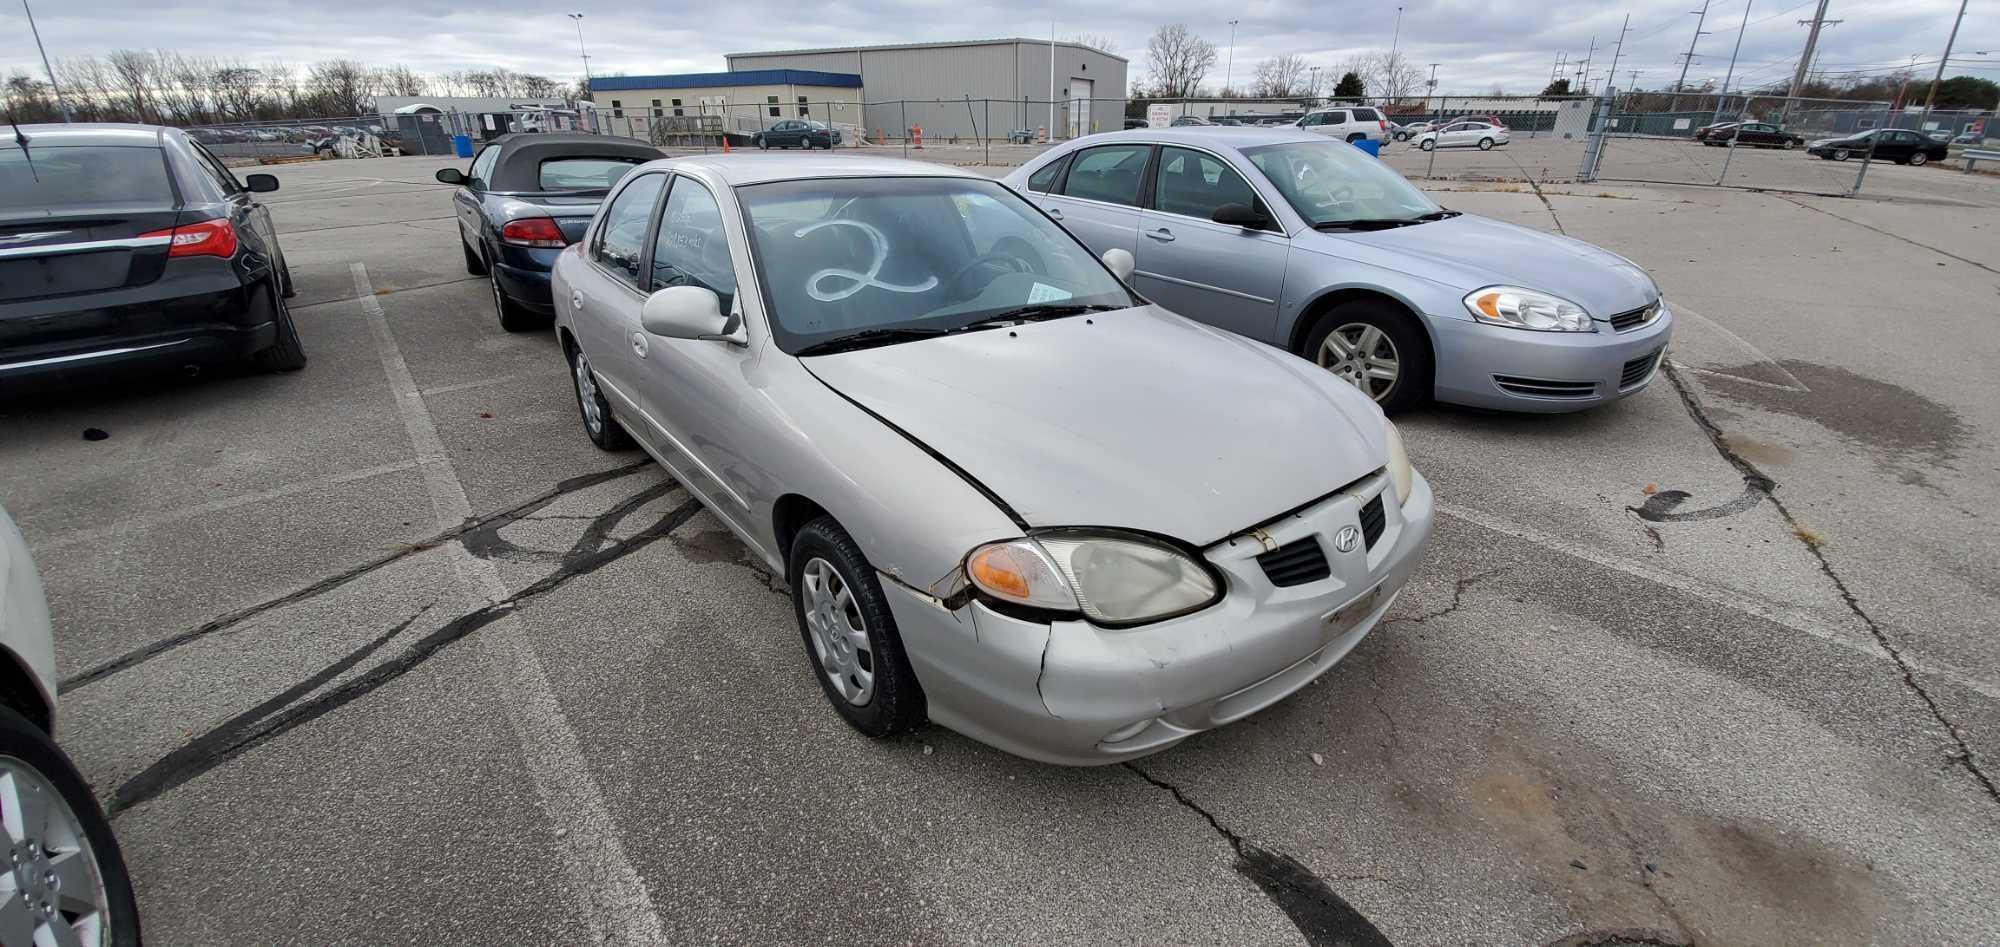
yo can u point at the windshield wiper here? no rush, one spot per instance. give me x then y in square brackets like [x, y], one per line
[1439, 214]
[1035, 313]
[868, 338]
[1384, 223]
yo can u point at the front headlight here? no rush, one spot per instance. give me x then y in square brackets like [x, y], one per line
[1400, 474]
[1112, 578]
[1519, 308]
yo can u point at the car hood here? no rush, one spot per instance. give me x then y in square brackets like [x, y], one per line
[1136, 419]
[1469, 252]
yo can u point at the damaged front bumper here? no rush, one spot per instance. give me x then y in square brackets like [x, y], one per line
[1076, 694]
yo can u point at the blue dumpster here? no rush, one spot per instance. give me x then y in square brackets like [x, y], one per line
[1369, 145]
[461, 145]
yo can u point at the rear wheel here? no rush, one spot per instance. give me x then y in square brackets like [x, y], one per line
[286, 354]
[602, 428]
[1351, 139]
[1377, 348]
[69, 878]
[1918, 159]
[850, 634]
[1485, 144]
[514, 317]
[1789, 144]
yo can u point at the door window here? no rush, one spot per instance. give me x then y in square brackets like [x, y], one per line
[482, 167]
[621, 236]
[691, 248]
[1194, 184]
[1045, 179]
[216, 171]
[1108, 173]
[1366, 115]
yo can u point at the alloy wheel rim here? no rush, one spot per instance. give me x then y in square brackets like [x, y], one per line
[839, 635]
[586, 396]
[1364, 356]
[51, 889]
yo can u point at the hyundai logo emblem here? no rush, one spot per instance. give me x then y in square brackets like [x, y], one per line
[1348, 538]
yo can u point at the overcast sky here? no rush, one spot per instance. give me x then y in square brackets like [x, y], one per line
[1478, 43]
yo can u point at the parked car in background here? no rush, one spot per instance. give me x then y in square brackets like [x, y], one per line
[1009, 496]
[797, 133]
[1890, 144]
[1318, 249]
[66, 880]
[1756, 134]
[1462, 135]
[1347, 123]
[1186, 120]
[524, 198]
[1136, 123]
[1968, 138]
[132, 243]
[1406, 131]
[1484, 119]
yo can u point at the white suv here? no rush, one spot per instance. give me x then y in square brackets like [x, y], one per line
[1347, 123]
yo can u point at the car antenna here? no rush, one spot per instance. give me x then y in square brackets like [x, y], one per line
[21, 138]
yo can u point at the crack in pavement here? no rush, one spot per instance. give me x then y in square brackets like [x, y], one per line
[1890, 234]
[1457, 595]
[1618, 938]
[288, 711]
[228, 620]
[1963, 754]
[1536, 186]
[1323, 917]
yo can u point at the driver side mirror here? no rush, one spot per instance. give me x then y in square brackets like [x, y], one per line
[1239, 215]
[1120, 262]
[690, 312]
[260, 183]
[451, 176]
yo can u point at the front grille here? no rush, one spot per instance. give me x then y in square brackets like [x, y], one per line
[1373, 521]
[1627, 321]
[1638, 370]
[1295, 563]
[1544, 388]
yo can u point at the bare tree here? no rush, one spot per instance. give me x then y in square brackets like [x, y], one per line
[1177, 60]
[1096, 41]
[1280, 77]
[1391, 75]
[28, 99]
[239, 90]
[85, 84]
[540, 87]
[131, 75]
[180, 86]
[401, 80]
[341, 87]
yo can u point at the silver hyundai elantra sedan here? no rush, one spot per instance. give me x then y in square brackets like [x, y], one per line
[1009, 495]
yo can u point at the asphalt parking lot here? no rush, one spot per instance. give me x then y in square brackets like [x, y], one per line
[385, 651]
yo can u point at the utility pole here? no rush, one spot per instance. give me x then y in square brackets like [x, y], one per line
[1557, 71]
[1731, 74]
[1231, 73]
[1634, 87]
[1583, 71]
[1315, 84]
[1687, 58]
[1805, 61]
[1395, 38]
[1052, 83]
[1931, 99]
[57, 89]
[1612, 75]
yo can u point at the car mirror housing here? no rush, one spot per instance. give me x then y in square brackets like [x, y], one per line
[1120, 262]
[1238, 215]
[261, 183]
[687, 312]
[450, 176]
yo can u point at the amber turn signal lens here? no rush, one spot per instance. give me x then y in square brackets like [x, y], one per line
[996, 569]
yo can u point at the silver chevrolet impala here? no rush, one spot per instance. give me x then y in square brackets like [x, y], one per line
[1009, 496]
[1317, 248]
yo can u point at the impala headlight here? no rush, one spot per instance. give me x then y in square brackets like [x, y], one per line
[1519, 308]
[1112, 578]
[1400, 474]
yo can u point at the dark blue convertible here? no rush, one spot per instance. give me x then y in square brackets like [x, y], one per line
[798, 133]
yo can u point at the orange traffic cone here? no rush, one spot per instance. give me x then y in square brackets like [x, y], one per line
[725, 144]
[919, 135]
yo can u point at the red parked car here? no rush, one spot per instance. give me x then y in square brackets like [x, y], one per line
[1488, 119]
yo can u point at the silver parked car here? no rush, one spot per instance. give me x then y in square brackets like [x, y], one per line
[1323, 251]
[1478, 135]
[1009, 496]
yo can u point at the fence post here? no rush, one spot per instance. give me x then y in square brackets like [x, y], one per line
[903, 112]
[988, 142]
[1733, 139]
[1887, 117]
[1593, 150]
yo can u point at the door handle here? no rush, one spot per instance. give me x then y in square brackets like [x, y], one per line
[1163, 235]
[639, 344]
[576, 300]
[1055, 212]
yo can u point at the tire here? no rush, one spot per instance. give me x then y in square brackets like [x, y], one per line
[1917, 160]
[1402, 136]
[761, 143]
[1840, 154]
[474, 263]
[1429, 144]
[824, 560]
[285, 276]
[1351, 139]
[599, 424]
[286, 354]
[33, 764]
[1485, 144]
[1789, 144]
[514, 317]
[1408, 349]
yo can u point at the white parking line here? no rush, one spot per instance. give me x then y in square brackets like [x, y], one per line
[611, 898]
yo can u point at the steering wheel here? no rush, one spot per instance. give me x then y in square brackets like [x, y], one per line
[1004, 258]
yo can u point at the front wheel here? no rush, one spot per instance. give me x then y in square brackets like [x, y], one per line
[69, 878]
[1428, 144]
[850, 635]
[1378, 349]
[1485, 144]
[761, 143]
[1840, 154]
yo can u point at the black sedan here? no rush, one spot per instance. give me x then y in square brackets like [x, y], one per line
[132, 243]
[1890, 144]
[1754, 134]
[525, 198]
[798, 133]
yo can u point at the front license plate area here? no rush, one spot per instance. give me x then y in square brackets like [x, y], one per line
[1343, 619]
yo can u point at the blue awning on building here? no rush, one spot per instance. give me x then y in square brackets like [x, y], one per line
[711, 80]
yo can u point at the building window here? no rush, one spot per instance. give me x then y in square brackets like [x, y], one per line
[677, 107]
[804, 110]
[1865, 123]
[617, 109]
[772, 102]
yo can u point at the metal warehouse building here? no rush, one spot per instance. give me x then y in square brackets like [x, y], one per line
[977, 88]
[742, 101]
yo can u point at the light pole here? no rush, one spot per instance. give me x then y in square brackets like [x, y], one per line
[1315, 84]
[1230, 73]
[578, 17]
[53, 87]
[1731, 73]
[1394, 38]
[1431, 87]
[1931, 99]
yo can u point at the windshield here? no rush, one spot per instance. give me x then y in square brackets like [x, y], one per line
[583, 174]
[45, 176]
[1331, 182]
[838, 256]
